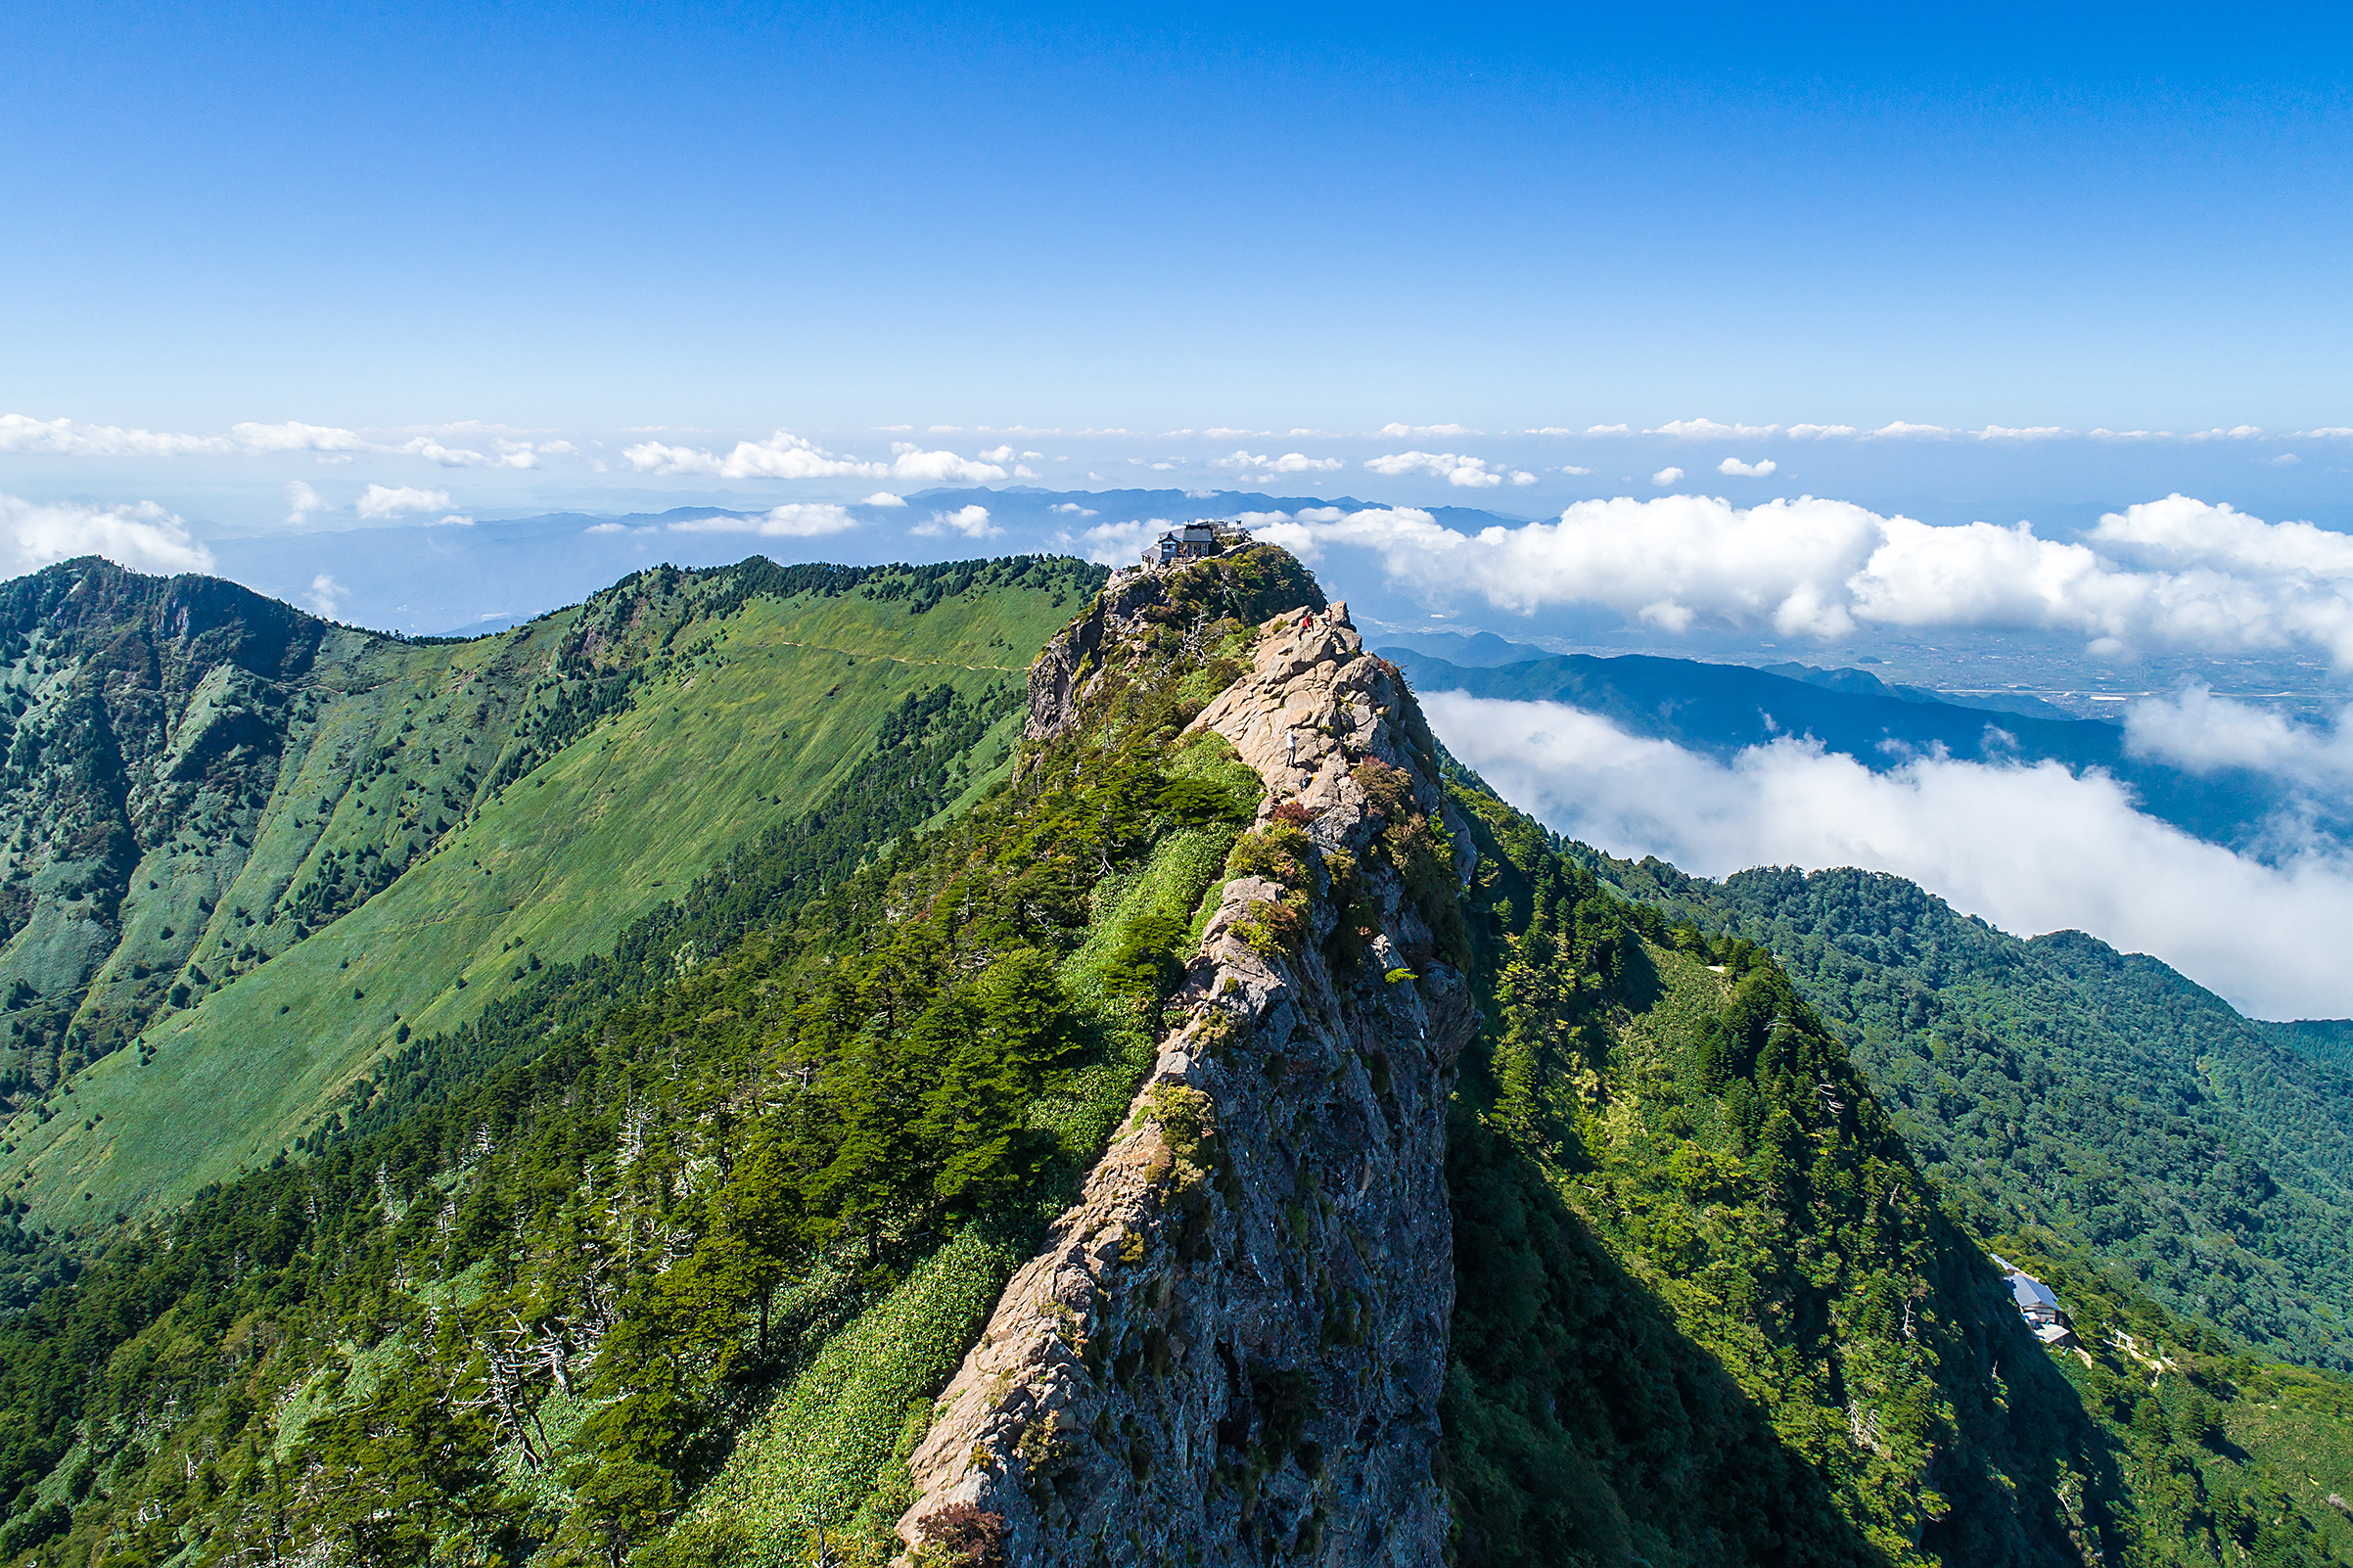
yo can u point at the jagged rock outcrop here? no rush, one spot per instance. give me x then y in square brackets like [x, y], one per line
[1231, 1350]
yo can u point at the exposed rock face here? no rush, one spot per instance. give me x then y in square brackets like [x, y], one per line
[1231, 1349]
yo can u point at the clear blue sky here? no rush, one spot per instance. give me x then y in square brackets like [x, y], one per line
[739, 217]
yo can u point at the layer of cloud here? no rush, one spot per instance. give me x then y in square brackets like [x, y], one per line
[67, 437]
[795, 520]
[384, 502]
[1262, 468]
[1470, 473]
[2178, 572]
[1118, 543]
[141, 536]
[301, 502]
[2198, 732]
[783, 455]
[2030, 848]
[971, 522]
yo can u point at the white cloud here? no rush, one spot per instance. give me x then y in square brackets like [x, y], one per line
[997, 454]
[301, 501]
[1609, 429]
[390, 501]
[141, 536]
[1267, 468]
[2285, 460]
[67, 438]
[795, 520]
[972, 522]
[2198, 732]
[1395, 431]
[1122, 543]
[326, 595]
[884, 498]
[1470, 473]
[1816, 433]
[908, 462]
[1072, 509]
[2178, 572]
[2030, 848]
[1709, 430]
[1571, 468]
[1667, 475]
[783, 455]
[455, 520]
[1758, 470]
[606, 527]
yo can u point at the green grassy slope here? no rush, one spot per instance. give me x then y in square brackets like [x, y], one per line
[467, 856]
[749, 1186]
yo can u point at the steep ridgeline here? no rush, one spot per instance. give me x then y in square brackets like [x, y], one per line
[1232, 1346]
[2058, 1082]
[258, 850]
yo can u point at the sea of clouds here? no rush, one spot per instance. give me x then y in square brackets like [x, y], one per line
[2031, 849]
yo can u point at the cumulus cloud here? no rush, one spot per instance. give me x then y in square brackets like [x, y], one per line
[2030, 848]
[2178, 572]
[1122, 543]
[884, 498]
[1267, 468]
[1667, 475]
[783, 455]
[1470, 473]
[385, 501]
[972, 522]
[1734, 466]
[606, 527]
[301, 501]
[326, 595]
[795, 520]
[1072, 509]
[141, 536]
[908, 462]
[1395, 431]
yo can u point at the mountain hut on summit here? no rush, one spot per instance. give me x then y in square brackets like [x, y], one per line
[1199, 537]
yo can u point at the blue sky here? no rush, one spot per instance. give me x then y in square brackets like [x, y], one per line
[1764, 330]
[737, 218]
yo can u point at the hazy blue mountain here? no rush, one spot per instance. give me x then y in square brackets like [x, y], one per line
[1721, 710]
[1862, 683]
[1473, 650]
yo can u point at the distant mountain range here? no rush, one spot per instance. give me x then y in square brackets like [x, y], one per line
[1721, 710]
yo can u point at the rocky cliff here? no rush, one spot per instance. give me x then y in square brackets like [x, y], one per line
[1230, 1350]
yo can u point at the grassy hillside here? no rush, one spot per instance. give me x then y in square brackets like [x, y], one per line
[444, 820]
[715, 1237]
